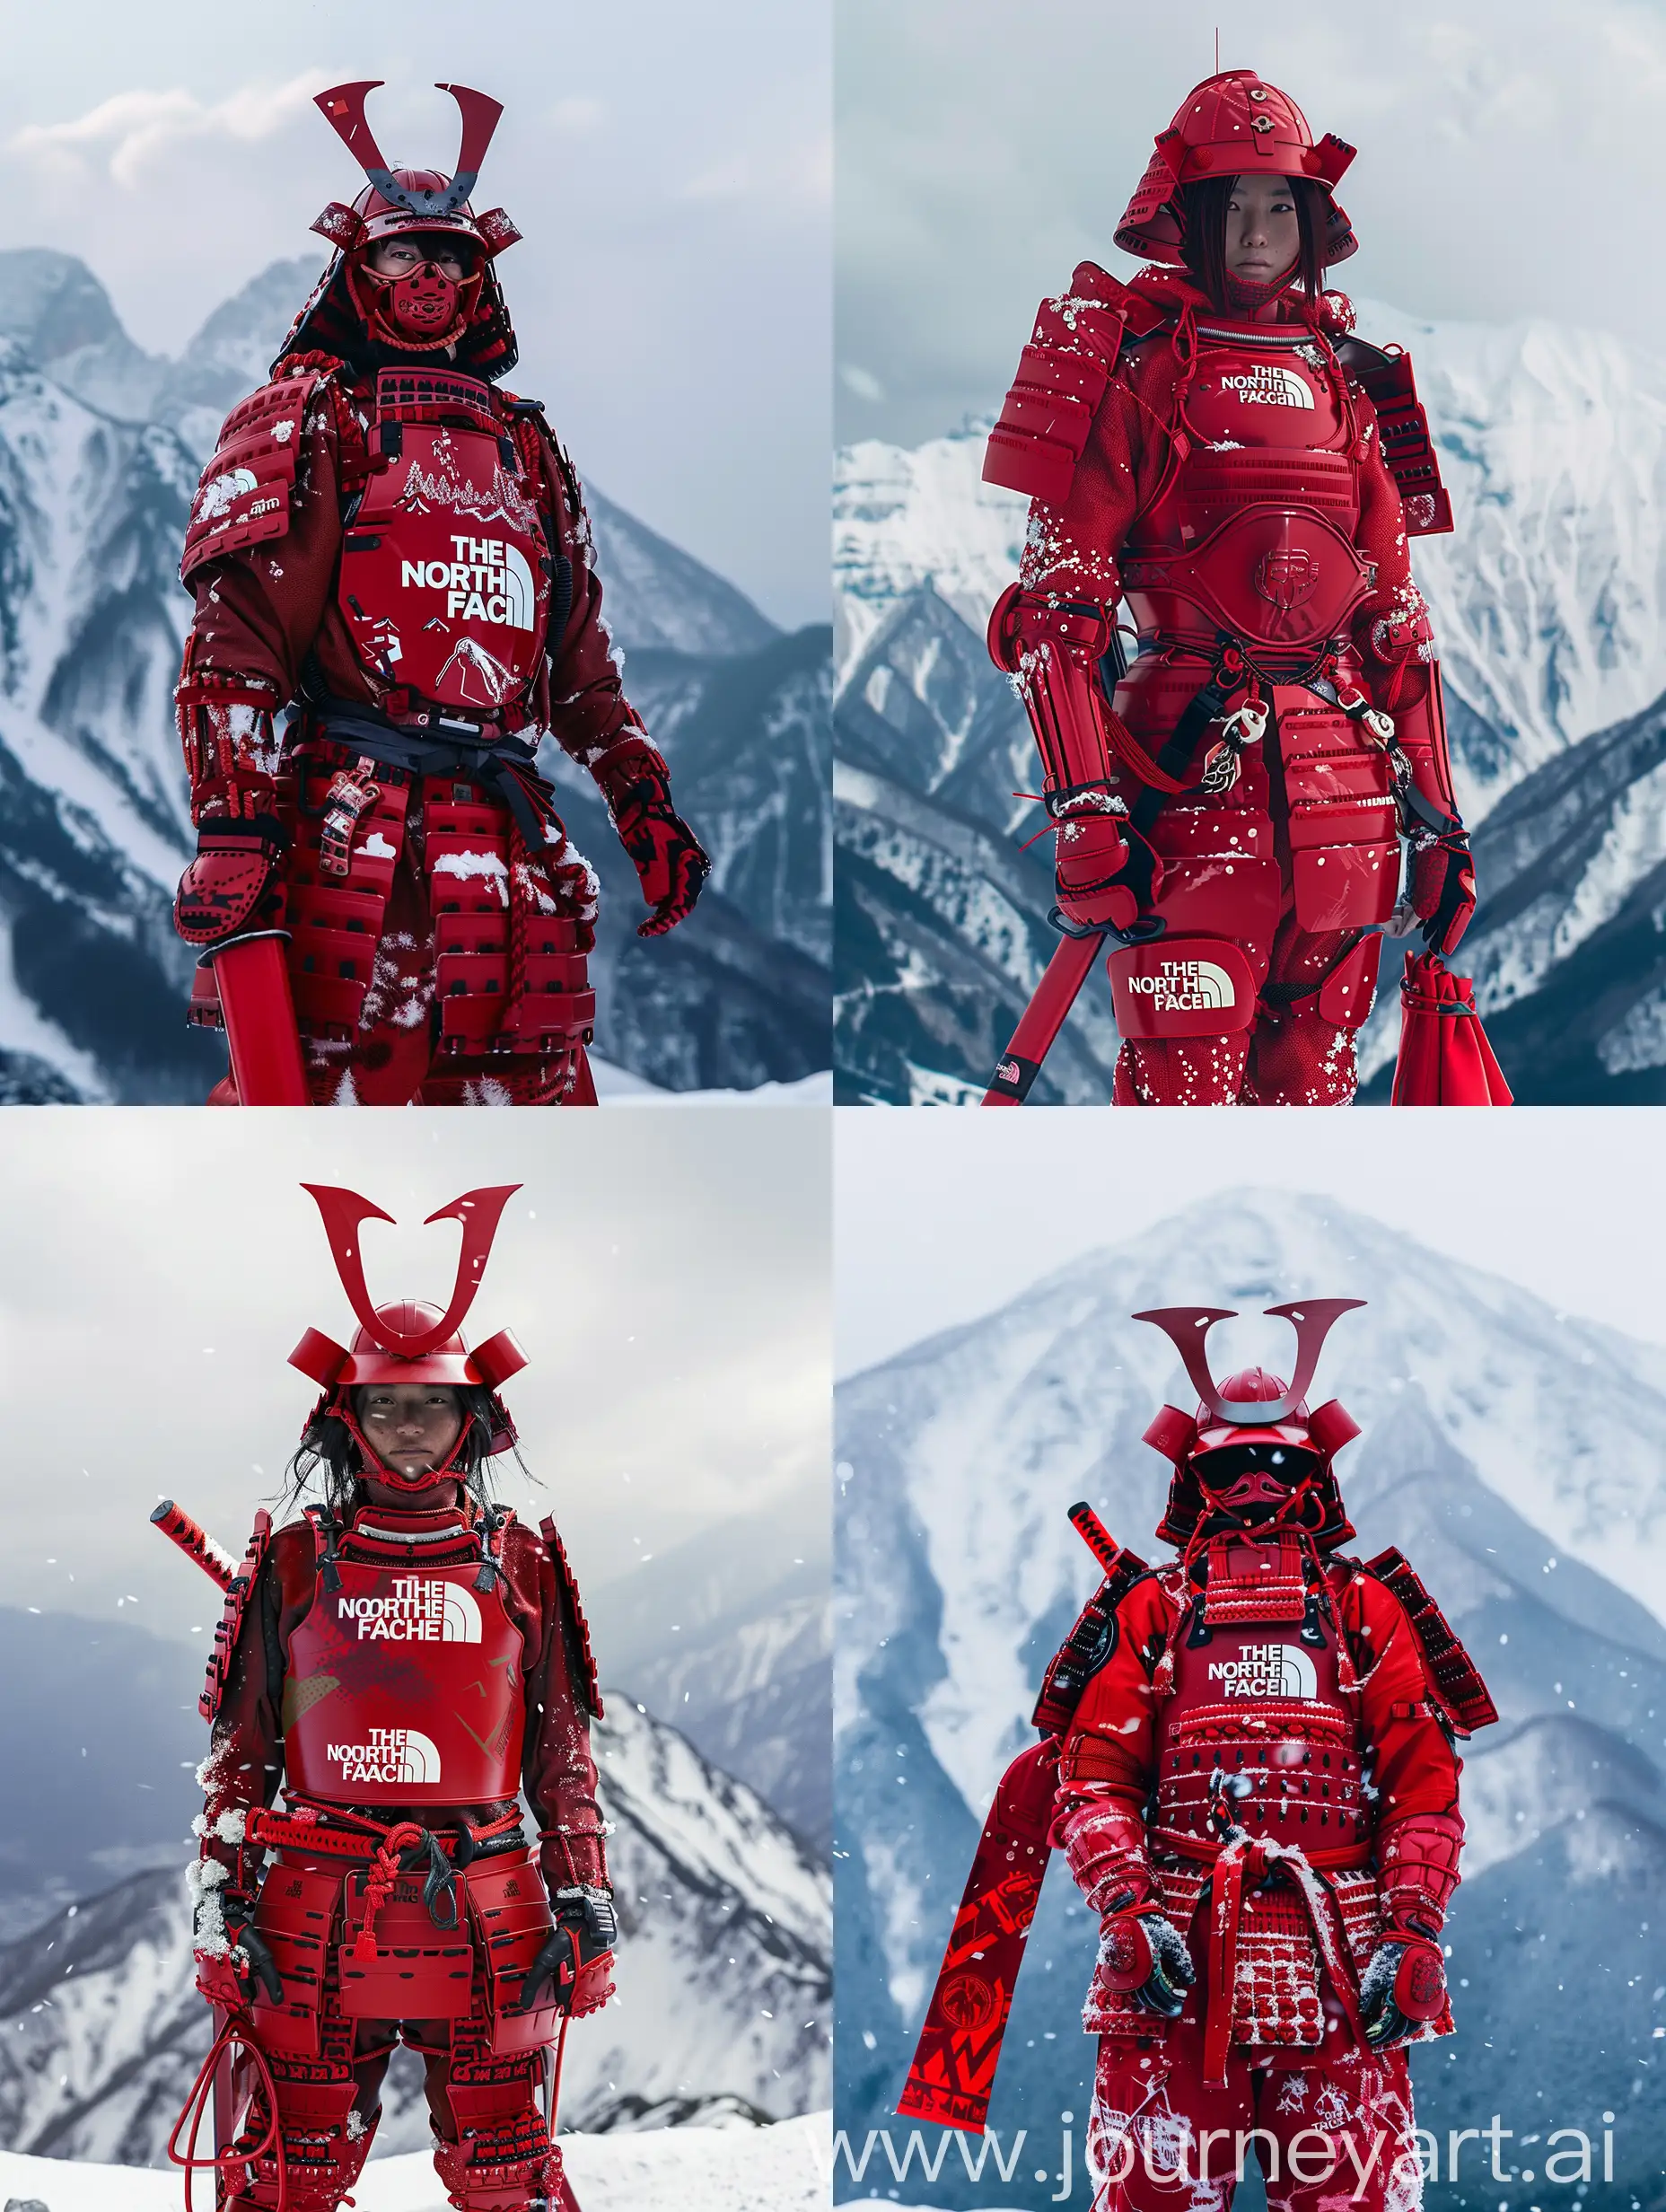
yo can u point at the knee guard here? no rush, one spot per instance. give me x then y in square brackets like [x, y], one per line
[500, 2158]
[325, 2142]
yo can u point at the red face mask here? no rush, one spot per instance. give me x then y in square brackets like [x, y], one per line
[423, 305]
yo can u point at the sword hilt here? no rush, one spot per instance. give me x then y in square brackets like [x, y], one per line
[1095, 1535]
[178, 1526]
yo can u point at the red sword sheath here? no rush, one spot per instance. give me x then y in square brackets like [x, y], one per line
[1042, 1018]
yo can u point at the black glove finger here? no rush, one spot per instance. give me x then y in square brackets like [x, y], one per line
[262, 1967]
[544, 1968]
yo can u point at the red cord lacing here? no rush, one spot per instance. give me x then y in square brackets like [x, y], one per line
[384, 1871]
[196, 2102]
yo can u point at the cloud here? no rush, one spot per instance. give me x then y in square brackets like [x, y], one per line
[128, 133]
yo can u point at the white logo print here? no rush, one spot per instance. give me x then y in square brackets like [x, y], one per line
[489, 581]
[224, 491]
[1267, 1671]
[1270, 384]
[387, 1755]
[419, 1611]
[1187, 987]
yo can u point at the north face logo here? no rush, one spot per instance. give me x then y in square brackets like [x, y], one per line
[419, 1611]
[1270, 384]
[1186, 986]
[1267, 1671]
[387, 1755]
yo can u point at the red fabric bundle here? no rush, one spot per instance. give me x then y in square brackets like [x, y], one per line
[1444, 1057]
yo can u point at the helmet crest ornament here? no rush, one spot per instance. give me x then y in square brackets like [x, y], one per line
[1188, 1326]
[343, 108]
[344, 1211]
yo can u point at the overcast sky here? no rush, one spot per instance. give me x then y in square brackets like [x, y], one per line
[669, 167]
[1509, 164]
[943, 1218]
[666, 1274]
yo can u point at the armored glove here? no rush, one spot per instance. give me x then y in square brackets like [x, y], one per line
[1144, 1955]
[1105, 874]
[230, 888]
[577, 1958]
[231, 1958]
[1403, 1987]
[668, 858]
[1442, 890]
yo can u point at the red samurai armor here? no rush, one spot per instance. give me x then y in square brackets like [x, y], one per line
[1248, 1760]
[395, 549]
[402, 1672]
[1224, 468]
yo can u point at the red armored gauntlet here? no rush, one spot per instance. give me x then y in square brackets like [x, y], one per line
[668, 858]
[1051, 649]
[1406, 680]
[1105, 1849]
[1417, 1870]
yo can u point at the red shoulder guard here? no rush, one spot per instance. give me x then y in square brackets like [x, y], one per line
[1408, 449]
[1062, 375]
[232, 1613]
[1457, 1686]
[244, 494]
[1085, 1649]
[568, 1588]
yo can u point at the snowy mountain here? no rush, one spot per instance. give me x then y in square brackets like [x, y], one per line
[100, 446]
[1514, 1454]
[746, 1673]
[1549, 602]
[1567, 950]
[724, 1985]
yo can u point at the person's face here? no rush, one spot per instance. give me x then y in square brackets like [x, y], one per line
[400, 255]
[1263, 232]
[410, 1427]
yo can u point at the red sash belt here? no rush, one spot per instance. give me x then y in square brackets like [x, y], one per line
[1251, 1858]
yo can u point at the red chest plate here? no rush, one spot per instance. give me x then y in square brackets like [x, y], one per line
[442, 584]
[1254, 1699]
[406, 1691]
[1256, 533]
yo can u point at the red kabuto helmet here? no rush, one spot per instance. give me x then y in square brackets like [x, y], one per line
[1253, 1407]
[1226, 125]
[425, 312]
[408, 1341]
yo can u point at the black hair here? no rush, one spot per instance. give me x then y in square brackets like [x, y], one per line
[1203, 233]
[328, 1456]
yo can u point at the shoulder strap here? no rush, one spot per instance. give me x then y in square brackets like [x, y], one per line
[1086, 1649]
[574, 1622]
[1453, 1677]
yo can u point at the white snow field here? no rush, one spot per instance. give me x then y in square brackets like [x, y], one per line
[617, 1086]
[780, 2169]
